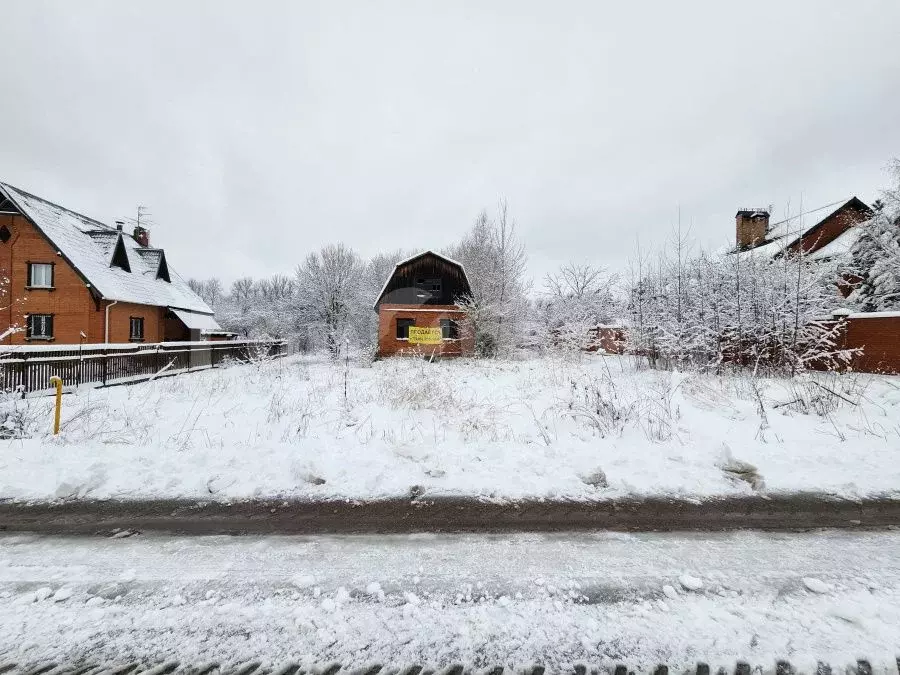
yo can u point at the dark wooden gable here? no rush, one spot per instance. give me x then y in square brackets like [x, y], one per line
[426, 279]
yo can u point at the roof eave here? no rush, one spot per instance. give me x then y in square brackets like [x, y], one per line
[97, 293]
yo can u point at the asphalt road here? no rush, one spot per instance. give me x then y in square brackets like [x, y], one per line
[791, 512]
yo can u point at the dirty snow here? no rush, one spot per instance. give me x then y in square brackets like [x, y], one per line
[602, 599]
[587, 428]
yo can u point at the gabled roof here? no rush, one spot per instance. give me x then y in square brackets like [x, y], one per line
[102, 256]
[409, 260]
[787, 233]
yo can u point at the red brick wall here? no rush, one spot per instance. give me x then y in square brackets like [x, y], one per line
[424, 316]
[120, 322]
[70, 302]
[879, 339]
[610, 339]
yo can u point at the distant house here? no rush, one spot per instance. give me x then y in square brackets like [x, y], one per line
[824, 232]
[423, 292]
[69, 276]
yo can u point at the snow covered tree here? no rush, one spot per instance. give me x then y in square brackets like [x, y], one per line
[576, 300]
[875, 256]
[494, 259]
[331, 297]
[737, 308]
[210, 290]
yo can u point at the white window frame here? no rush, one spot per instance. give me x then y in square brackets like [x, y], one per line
[46, 269]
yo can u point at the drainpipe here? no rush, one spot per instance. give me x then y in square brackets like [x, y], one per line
[106, 333]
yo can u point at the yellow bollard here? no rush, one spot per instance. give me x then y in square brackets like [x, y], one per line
[58, 382]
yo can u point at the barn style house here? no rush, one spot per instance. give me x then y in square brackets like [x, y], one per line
[417, 308]
[68, 279]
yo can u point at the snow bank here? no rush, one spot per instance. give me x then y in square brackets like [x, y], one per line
[494, 429]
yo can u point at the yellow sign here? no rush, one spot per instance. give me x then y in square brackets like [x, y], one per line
[424, 336]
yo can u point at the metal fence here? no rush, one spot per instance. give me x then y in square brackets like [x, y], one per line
[29, 368]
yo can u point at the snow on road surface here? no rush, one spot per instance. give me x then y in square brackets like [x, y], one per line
[590, 428]
[487, 599]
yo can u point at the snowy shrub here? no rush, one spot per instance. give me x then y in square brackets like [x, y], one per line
[609, 406]
[15, 420]
[824, 394]
[598, 402]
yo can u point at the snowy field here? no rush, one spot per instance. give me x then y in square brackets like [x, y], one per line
[597, 599]
[584, 428]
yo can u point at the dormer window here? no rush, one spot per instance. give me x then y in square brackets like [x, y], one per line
[120, 256]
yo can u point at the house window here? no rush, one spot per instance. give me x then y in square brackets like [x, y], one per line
[137, 329]
[449, 329]
[39, 327]
[40, 275]
[403, 328]
[430, 285]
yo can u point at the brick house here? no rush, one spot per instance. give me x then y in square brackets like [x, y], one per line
[70, 278]
[422, 292]
[824, 232]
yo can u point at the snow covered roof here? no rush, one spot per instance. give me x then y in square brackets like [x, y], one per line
[787, 232]
[839, 246]
[797, 224]
[205, 323]
[91, 246]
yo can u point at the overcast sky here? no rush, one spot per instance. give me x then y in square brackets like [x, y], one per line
[259, 131]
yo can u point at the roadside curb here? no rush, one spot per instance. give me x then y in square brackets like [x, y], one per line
[777, 512]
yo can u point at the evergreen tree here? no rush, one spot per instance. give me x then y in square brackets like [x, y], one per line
[875, 257]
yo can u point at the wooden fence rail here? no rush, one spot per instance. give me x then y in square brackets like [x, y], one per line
[29, 368]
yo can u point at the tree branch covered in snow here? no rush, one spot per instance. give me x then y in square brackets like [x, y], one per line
[743, 308]
[576, 300]
[494, 259]
[875, 257]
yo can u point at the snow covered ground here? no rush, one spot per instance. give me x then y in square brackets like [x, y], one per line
[438, 599]
[585, 428]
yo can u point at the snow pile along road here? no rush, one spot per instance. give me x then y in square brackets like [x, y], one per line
[480, 600]
[586, 429]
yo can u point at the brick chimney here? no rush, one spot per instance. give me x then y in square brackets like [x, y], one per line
[142, 236]
[752, 225]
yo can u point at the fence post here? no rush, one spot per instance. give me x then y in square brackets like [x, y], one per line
[105, 364]
[24, 373]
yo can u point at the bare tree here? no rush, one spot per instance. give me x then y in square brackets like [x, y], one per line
[330, 293]
[494, 259]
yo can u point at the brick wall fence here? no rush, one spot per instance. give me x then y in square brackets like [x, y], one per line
[877, 336]
[609, 339]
